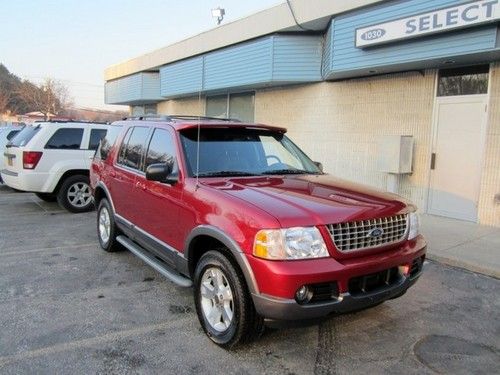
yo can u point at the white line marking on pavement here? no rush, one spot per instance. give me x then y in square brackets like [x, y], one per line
[62, 247]
[93, 341]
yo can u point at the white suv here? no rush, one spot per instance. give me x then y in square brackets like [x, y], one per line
[52, 159]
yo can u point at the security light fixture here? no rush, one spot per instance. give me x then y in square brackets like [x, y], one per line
[218, 13]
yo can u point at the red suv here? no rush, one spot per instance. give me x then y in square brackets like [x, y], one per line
[241, 213]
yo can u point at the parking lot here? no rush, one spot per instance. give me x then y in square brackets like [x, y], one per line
[68, 307]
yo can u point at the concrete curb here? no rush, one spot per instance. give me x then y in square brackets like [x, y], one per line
[453, 262]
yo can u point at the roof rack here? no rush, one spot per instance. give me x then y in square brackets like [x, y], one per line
[177, 117]
[76, 121]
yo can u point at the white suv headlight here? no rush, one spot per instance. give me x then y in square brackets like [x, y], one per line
[414, 222]
[291, 243]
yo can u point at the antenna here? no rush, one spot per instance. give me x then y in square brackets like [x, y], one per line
[198, 143]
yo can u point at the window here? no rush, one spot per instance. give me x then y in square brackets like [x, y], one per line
[108, 141]
[217, 106]
[66, 139]
[238, 106]
[242, 107]
[11, 134]
[463, 81]
[243, 152]
[161, 148]
[95, 138]
[123, 146]
[133, 147]
[24, 136]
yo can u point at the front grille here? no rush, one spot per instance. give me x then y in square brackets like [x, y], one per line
[366, 234]
[373, 282]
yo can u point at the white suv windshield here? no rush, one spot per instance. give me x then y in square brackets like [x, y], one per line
[243, 152]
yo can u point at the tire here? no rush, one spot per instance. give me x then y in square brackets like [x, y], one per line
[234, 319]
[47, 197]
[105, 218]
[74, 194]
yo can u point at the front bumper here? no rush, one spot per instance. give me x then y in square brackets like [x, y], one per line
[288, 309]
[278, 281]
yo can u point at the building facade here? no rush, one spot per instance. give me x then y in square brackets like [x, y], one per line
[349, 79]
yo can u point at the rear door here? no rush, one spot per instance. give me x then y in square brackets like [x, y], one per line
[128, 166]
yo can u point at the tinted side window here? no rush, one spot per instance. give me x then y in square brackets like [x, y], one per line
[108, 141]
[161, 148]
[123, 146]
[134, 149]
[95, 137]
[11, 134]
[66, 139]
[25, 135]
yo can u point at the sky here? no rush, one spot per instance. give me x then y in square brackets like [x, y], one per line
[75, 40]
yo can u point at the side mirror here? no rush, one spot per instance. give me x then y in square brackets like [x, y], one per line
[161, 172]
[319, 165]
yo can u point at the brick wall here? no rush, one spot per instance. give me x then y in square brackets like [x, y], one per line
[186, 106]
[489, 210]
[339, 124]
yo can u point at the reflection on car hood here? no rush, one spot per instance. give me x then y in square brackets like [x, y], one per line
[301, 200]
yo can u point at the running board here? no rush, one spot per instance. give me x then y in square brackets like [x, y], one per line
[158, 265]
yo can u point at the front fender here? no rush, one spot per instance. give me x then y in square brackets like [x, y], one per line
[232, 246]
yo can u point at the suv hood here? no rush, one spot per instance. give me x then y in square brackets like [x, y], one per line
[308, 200]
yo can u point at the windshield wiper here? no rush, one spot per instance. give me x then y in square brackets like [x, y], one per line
[288, 171]
[225, 173]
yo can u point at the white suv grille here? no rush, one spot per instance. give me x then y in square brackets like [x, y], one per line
[367, 234]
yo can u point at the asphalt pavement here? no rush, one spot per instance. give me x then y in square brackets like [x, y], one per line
[67, 307]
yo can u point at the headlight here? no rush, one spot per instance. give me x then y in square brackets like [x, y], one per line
[291, 243]
[414, 223]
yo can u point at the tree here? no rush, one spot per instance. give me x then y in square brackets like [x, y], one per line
[49, 98]
[5, 99]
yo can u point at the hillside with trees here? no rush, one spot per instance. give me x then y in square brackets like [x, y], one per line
[18, 96]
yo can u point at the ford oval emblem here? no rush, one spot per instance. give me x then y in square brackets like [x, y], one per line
[375, 232]
[373, 34]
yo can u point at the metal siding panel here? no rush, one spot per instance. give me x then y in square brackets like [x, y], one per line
[345, 56]
[327, 50]
[181, 77]
[124, 89]
[297, 58]
[244, 64]
[150, 86]
[141, 87]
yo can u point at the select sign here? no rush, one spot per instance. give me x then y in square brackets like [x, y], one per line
[456, 17]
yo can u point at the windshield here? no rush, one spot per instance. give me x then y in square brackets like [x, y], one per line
[24, 136]
[243, 152]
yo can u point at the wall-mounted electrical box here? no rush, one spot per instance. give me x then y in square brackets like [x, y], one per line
[395, 153]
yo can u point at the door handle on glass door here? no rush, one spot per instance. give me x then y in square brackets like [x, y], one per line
[433, 161]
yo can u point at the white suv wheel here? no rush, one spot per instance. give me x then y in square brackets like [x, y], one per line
[79, 194]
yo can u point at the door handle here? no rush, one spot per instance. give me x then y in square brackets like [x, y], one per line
[112, 174]
[433, 161]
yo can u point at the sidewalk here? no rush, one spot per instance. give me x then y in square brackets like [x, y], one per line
[462, 244]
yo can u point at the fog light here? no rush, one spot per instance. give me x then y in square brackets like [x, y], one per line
[303, 294]
[405, 270]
